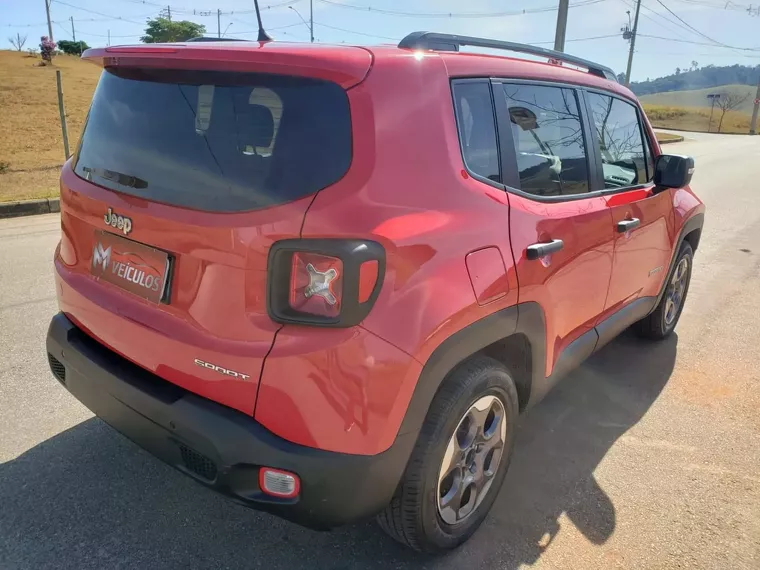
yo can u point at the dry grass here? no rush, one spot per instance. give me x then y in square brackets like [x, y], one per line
[696, 119]
[32, 144]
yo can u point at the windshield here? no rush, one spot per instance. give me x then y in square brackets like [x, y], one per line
[215, 141]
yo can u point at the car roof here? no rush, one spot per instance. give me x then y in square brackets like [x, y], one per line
[355, 61]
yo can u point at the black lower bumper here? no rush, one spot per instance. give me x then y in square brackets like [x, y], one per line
[220, 447]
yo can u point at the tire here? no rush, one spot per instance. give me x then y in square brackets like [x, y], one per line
[414, 516]
[663, 320]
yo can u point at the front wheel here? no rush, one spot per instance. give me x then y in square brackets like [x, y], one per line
[460, 459]
[661, 322]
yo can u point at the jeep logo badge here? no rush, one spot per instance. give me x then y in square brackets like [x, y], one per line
[119, 222]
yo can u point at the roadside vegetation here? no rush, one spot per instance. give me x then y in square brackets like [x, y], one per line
[31, 148]
[697, 119]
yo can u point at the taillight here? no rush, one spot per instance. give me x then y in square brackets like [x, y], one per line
[328, 282]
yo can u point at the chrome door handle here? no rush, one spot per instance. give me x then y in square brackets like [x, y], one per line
[627, 225]
[539, 250]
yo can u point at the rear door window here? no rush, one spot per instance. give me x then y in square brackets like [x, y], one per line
[215, 141]
[625, 159]
[548, 138]
[477, 128]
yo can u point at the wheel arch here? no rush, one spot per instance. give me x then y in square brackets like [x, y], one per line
[512, 336]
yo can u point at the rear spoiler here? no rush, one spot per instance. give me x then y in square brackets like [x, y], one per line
[346, 66]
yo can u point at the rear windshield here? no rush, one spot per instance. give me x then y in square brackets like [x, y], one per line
[215, 141]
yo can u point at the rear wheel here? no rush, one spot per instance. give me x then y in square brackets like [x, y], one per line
[460, 459]
[660, 323]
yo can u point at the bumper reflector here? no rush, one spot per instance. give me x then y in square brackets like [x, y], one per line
[279, 483]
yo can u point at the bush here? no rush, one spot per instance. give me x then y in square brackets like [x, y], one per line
[47, 49]
[72, 48]
[4, 166]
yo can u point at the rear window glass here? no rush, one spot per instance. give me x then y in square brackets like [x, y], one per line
[215, 141]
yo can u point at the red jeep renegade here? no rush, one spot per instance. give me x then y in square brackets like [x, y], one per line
[324, 281]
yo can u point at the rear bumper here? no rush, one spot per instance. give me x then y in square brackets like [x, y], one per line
[219, 447]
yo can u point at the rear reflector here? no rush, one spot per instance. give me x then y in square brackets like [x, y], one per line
[279, 483]
[367, 279]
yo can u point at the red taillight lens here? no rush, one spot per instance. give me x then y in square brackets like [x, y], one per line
[316, 284]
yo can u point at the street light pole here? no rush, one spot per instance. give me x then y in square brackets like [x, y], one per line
[305, 23]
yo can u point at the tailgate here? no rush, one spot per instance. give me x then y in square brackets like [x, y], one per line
[183, 180]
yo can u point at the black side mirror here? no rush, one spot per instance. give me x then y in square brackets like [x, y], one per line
[673, 171]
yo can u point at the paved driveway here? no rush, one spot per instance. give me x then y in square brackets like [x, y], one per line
[646, 457]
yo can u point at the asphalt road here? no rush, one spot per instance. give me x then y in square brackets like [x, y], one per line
[646, 457]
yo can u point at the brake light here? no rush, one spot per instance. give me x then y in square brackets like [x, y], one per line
[316, 284]
[326, 282]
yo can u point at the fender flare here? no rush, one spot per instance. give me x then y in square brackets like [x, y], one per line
[455, 349]
[695, 222]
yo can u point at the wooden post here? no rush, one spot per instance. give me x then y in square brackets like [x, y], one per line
[753, 124]
[64, 130]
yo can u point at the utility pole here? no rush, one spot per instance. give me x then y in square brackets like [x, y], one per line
[109, 37]
[169, 12]
[73, 32]
[311, 19]
[50, 24]
[753, 124]
[218, 23]
[633, 43]
[559, 36]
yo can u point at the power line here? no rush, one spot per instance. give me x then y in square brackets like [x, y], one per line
[354, 32]
[99, 13]
[371, 9]
[676, 29]
[699, 43]
[692, 28]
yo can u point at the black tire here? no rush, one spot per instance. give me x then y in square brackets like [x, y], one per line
[659, 325]
[413, 517]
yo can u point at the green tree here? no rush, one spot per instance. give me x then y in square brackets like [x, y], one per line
[161, 30]
[72, 48]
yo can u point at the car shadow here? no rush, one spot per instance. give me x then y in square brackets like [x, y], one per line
[88, 498]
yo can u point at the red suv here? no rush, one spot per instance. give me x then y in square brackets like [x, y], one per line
[324, 281]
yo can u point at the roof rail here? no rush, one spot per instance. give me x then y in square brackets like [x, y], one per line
[451, 42]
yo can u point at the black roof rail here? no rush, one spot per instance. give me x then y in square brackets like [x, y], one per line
[451, 42]
[209, 39]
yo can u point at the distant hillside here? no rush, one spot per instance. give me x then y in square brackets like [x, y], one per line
[701, 78]
[698, 97]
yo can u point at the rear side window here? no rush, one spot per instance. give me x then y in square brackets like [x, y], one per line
[477, 129]
[624, 158]
[548, 137]
[215, 141]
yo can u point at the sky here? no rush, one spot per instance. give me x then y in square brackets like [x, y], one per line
[707, 31]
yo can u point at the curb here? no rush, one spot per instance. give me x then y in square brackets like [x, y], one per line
[29, 207]
[678, 139]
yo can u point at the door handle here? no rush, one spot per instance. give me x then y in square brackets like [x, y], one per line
[539, 250]
[627, 225]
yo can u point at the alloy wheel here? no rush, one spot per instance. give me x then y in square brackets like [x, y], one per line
[472, 459]
[676, 291]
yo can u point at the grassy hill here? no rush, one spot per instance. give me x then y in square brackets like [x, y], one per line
[698, 97]
[31, 147]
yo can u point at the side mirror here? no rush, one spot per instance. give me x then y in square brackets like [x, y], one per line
[673, 171]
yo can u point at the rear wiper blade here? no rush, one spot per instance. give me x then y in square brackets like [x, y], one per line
[118, 177]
